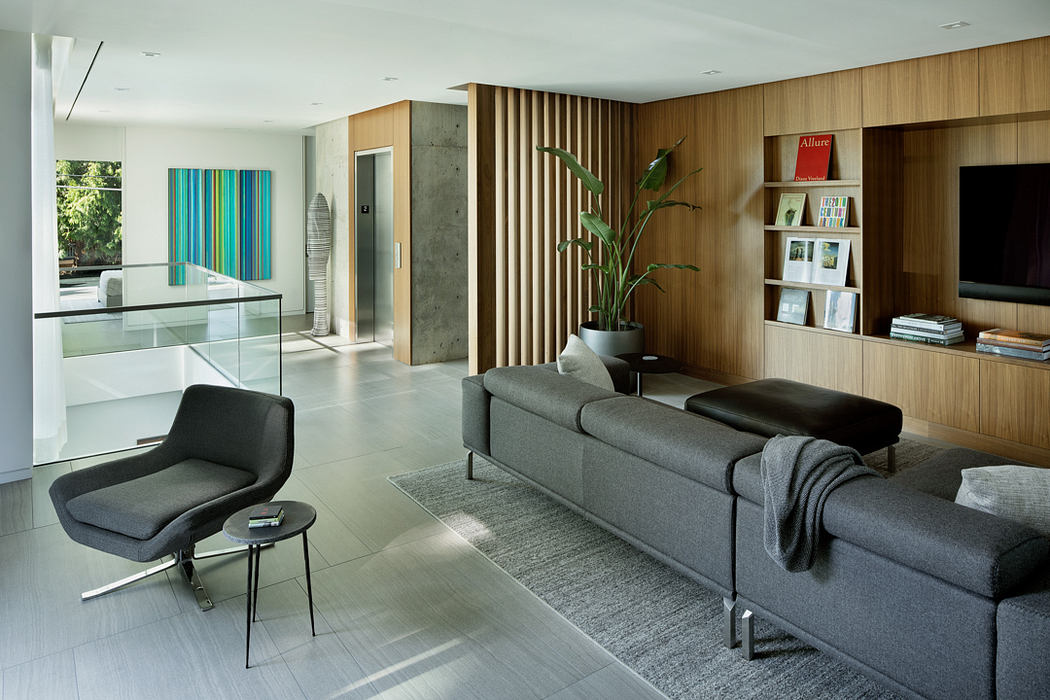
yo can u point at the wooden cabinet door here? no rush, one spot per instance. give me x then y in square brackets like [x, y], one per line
[926, 89]
[1015, 402]
[1013, 77]
[926, 384]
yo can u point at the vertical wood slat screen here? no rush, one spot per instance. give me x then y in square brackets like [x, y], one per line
[523, 203]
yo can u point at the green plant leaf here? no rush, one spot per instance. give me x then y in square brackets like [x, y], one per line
[671, 266]
[656, 172]
[594, 308]
[585, 244]
[589, 180]
[595, 266]
[653, 205]
[598, 227]
[638, 281]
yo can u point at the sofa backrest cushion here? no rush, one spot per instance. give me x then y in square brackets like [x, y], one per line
[550, 395]
[967, 548]
[693, 446]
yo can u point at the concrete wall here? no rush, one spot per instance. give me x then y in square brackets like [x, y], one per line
[331, 160]
[16, 288]
[439, 232]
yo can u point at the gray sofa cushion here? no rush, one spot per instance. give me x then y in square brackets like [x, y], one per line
[974, 550]
[141, 507]
[1023, 626]
[547, 394]
[690, 445]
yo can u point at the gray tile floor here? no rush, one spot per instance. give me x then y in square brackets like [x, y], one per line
[406, 609]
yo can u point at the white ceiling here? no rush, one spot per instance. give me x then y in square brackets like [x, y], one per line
[262, 64]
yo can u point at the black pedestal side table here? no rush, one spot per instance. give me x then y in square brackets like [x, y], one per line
[642, 363]
[298, 517]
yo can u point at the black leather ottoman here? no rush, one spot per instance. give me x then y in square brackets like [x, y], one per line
[782, 407]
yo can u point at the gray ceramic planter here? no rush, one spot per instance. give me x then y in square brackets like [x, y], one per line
[631, 339]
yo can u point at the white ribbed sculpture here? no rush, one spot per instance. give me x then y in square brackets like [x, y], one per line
[318, 249]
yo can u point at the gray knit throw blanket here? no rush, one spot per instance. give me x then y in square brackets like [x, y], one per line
[798, 473]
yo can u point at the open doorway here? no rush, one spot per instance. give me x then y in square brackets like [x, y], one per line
[375, 254]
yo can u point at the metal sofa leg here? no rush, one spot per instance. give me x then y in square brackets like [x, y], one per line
[729, 622]
[747, 635]
[470, 465]
[891, 458]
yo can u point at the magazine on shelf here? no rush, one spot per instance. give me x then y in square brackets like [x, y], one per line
[840, 311]
[834, 212]
[926, 332]
[830, 260]
[931, 321]
[814, 157]
[791, 209]
[1013, 352]
[1019, 337]
[793, 305]
[950, 340]
[798, 259]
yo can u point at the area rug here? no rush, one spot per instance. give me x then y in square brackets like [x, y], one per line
[661, 624]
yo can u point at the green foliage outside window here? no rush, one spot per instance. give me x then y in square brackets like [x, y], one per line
[89, 212]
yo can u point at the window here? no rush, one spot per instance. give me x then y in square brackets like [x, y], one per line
[89, 212]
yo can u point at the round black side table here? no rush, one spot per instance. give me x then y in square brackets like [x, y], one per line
[644, 363]
[298, 517]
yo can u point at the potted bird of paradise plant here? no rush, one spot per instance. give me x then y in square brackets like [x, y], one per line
[612, 262]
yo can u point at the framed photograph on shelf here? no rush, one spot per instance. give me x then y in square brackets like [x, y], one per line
[840, 311]
[789, 211]
[830, 260]
[793, 306]
[798, 259]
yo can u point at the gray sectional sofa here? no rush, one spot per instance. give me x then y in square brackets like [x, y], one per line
[930, 598]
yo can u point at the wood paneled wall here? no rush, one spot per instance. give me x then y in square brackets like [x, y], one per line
[525, 297]
[712, 319]
[380, 128]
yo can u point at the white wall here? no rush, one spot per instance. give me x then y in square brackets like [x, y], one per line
[148, 152]
[16, 306]
[74, 142]
[332, 179]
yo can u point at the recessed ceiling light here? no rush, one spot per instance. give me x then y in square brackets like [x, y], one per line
[151, 54]
[389, 79]
[122, 89]
[710, 72]
[955, 25]
[314, 104]
[267, 121]
[103, 111]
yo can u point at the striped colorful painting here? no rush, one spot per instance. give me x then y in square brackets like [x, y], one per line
[220, 219]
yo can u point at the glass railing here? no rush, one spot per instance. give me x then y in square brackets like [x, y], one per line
[133, 337]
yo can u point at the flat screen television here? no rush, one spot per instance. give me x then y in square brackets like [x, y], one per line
[1004, 232]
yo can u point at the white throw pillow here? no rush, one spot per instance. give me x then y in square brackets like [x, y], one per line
[1009, 491]
[578, 360]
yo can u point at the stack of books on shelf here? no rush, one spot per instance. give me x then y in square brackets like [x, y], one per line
[1001, 341]
[927, 328]
[266, 515]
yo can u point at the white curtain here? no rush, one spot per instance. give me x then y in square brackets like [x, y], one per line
[49, 392]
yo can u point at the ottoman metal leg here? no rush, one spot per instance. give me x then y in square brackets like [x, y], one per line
[747, 635]
[891, 458]
[729, 622]
[470, 465]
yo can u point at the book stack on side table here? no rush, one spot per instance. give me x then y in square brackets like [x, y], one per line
[266, 515]
[927, 328]
[1010, 343]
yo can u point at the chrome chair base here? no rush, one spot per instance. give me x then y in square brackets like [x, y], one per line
[182, 559]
